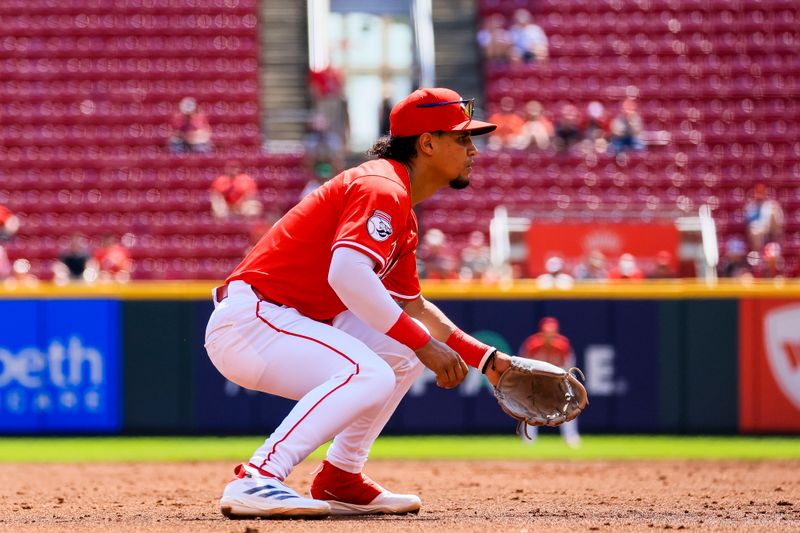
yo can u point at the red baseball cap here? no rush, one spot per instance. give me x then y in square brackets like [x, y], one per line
[438, 109]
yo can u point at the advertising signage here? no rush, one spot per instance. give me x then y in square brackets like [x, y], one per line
[59, 366]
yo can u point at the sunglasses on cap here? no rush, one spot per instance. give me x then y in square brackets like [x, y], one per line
[468, 106]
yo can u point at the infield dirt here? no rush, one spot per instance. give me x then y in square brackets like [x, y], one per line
[457, 496]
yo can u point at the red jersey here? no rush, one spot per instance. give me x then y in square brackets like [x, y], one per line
[367, 208]
[114, 258]
[559, 354]
[234, 188]
[5, 214]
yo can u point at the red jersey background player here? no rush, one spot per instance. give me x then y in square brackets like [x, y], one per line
[549, 345]
[326, 310]
[234, 191]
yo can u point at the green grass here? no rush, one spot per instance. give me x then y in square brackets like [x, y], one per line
[616, 447]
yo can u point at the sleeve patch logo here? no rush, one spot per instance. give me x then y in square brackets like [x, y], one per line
[379, 225]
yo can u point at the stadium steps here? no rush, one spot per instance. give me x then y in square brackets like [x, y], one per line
[457, 55]
[284, 69]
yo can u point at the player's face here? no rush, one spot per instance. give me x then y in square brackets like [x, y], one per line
[457, 151]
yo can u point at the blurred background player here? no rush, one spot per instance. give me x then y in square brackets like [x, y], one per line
[537, 132]
[191, 131]
[9, 223]
[626, 268]
[770, 265]
[764, 217]
[20, 276]
[550, 346]
[567, 128]
[663, 268]
[734, 262]
[555, 277]
[509, 125]
[626, 129]
[494, 39]
[528, 39]
[234, 192]
[594, 268]
[113, 260]
[76, 263]
[5, 264]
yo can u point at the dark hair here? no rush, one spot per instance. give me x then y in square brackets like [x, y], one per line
[402, 149]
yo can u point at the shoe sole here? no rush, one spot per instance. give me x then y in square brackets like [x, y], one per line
[343, 509]
[236, 511]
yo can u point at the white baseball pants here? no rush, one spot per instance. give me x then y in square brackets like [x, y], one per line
[348, 378]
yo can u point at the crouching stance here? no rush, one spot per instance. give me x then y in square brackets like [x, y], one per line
[326, 310]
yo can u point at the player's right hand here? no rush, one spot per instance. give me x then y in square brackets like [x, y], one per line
[448, 366]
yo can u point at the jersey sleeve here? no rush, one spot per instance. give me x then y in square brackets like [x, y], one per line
[371, 216]
[402, 281]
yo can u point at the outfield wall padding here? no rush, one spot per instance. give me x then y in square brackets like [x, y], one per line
[653, 364]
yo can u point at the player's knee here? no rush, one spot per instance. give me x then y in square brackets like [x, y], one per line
[379, 380]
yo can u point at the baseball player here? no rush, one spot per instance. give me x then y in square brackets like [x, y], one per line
[326, 310]
[550, 346]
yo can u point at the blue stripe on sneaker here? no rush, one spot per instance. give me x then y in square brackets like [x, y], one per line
[259, 489]
[287, 497]
[276, 493]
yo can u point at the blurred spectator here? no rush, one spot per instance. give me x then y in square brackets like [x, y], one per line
[594, 268]
[550, 346]
[113, 259]
[21, 275]
[322, 173]
[568, 128]
[330, 107]
[383, 116]
[476, 262]
[509, 125]
[322, 144]
[537, 131]
[75, 263]
[734, 263]
[626, 268]
[9, 223]
[438, 259]
[234, 192]
[596, 127]
[529, 40]
[191, 131]
[663, 268]
[764, 218]
[5, 264]
[555, 277]
[626, 129]
[772, 264]
[494, 39]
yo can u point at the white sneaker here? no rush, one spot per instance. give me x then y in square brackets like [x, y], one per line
[253, 495]
[384, 503]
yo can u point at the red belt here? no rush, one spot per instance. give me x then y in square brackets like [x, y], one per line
[221, 292]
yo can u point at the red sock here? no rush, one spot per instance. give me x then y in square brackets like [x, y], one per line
[333, 483]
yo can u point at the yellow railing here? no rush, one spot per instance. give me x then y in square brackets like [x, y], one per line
[440, 290]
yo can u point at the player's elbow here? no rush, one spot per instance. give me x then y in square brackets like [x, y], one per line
[336, 278]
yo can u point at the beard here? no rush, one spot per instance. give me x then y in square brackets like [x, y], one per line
[461, 182]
